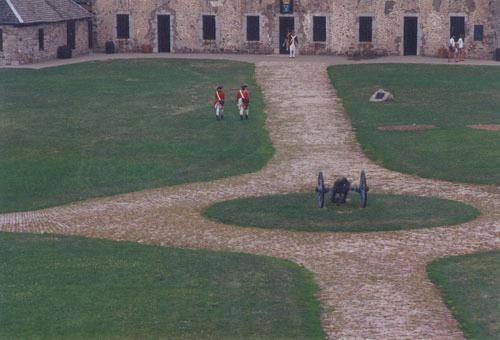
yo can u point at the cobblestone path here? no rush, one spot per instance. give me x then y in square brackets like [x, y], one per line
[372, 285]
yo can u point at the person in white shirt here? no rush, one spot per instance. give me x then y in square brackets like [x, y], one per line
[461, 50]
[451, 48]
[294, 42]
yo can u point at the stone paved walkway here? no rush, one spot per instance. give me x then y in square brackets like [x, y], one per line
[372, 285]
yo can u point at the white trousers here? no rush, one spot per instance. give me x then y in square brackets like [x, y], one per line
[293, 49]
[241, 106]
[219, 109]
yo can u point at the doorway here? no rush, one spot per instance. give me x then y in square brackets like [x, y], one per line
[457, 27]
[410, 35]
[287, 24]
[163, 33]
[90, 31]
[71, 34]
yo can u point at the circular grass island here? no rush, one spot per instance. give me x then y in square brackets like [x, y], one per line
[299, 212]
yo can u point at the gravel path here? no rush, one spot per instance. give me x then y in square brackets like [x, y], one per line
[372, 285]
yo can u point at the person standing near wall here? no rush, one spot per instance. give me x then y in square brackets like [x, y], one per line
[461, 50]
[286, 43]
[243, 101]
[294, 42]
[451, 48]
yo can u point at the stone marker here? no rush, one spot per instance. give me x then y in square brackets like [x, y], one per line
[381, 96]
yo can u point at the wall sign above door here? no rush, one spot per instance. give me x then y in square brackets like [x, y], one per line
[286, 6]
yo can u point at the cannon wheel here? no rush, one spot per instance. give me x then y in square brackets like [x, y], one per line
[363, 190]
[332, 194]
[320, 189]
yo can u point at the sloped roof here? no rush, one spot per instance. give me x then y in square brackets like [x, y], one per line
[38, 11]
[6, 14]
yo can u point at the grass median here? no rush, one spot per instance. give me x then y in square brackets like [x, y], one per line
[74, 132]
[448, 97]
[55, 287]
[470, 286]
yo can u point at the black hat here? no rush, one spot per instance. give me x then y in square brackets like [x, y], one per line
[244, 86]
[220, 87]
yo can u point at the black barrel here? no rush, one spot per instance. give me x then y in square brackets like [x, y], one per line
[110, 47]
[64, 52]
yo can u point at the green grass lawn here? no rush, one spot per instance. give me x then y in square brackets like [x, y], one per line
[102, 128]
[470, 286]
[299, 212]
[443, 95]
[55, 287]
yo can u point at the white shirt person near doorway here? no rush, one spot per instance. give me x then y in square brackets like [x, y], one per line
[294, 42]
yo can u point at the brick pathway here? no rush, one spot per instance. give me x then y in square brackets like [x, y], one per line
[372, 285]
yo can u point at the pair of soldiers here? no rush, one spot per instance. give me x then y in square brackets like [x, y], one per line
[242, 101]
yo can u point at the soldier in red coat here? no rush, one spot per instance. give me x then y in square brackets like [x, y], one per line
[243, 101]
[219, 103]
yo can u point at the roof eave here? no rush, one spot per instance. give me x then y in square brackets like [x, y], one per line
[33, 23]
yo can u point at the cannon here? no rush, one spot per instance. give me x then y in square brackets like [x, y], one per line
[339, 190]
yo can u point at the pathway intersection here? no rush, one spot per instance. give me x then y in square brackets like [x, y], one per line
[372, 285]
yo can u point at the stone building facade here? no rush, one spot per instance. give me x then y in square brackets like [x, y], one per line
[336, 27]
[22, 46]
[497, 25]
[31, 30]
[333, 27]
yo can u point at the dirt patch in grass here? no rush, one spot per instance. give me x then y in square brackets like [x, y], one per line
[487, 127]
[412, 127]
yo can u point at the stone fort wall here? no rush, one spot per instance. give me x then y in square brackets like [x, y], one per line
[497, 24]
[21, 44]
[342, 25]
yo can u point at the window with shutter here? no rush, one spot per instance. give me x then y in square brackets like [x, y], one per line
[41, 39]
[365, 29]
[122, 26]
[209, 27]
[90, 31]
[478, 32]
[319, 28]
[253, 28]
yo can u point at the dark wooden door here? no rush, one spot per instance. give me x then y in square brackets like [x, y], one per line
[163, 33]
[287, 24]
[90, 27]
[71, 34]
[410, 35]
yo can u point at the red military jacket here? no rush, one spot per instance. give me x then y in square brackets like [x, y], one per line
[245, 95]
[219, 97]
